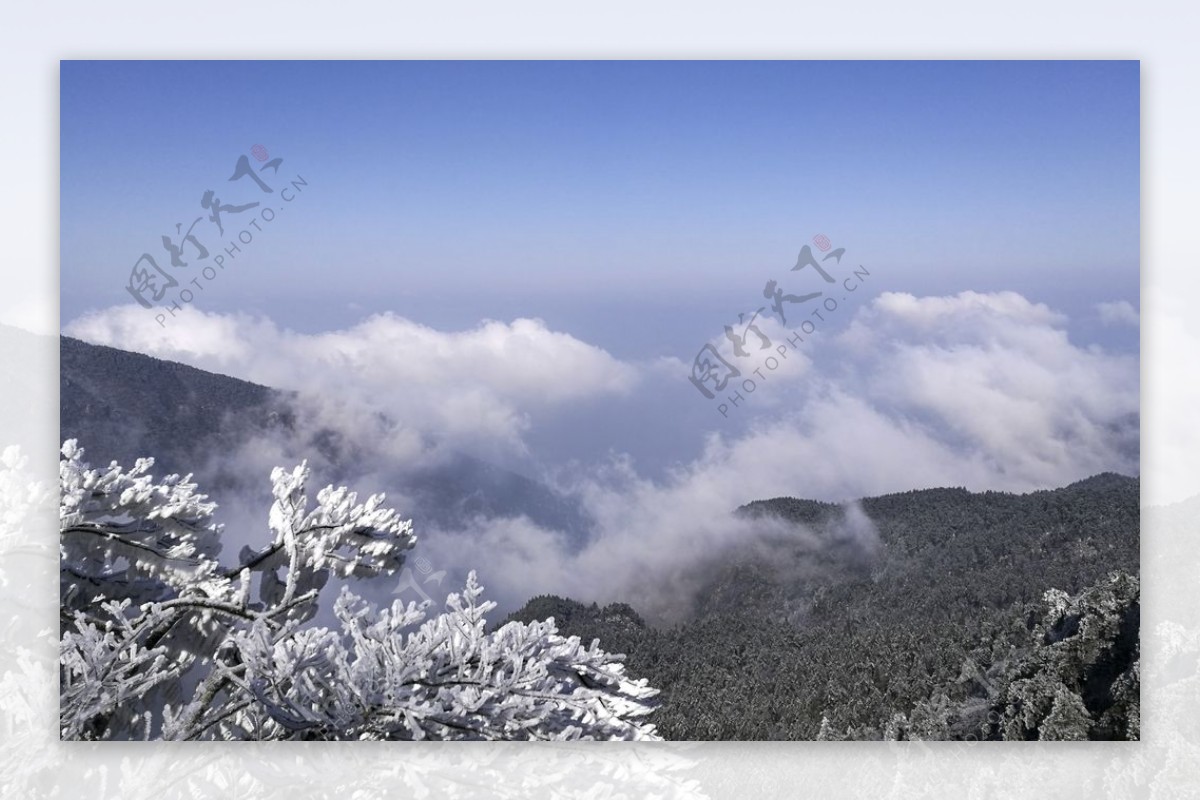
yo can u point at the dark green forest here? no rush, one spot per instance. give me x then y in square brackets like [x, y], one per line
[978, 616]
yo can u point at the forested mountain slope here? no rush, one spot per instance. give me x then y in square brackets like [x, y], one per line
[924, 639]
[122, 405]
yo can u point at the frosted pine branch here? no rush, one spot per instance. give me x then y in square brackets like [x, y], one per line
[161, 640]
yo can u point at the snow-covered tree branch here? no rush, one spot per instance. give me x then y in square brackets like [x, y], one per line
[161, 640]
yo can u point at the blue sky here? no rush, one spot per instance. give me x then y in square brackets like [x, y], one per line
[582, 191]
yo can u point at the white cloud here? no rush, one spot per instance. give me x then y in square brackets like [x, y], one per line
[1006, 318]
[482, 385]
[1120, 312]
[979, 390]
[996, 378]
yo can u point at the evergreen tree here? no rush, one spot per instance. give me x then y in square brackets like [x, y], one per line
[160, 639]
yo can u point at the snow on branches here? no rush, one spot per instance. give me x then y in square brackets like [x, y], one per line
[124, 536]
[160, 640]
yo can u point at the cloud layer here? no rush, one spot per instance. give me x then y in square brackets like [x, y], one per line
[483, 385]
[1120, 312]
[979, 390]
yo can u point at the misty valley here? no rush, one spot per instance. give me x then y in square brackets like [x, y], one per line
[930, 614]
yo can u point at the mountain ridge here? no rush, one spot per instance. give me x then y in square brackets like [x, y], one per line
[123, 405]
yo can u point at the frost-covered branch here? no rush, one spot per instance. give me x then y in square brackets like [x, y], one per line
[161, 640]
[125, 536]
[393, 674]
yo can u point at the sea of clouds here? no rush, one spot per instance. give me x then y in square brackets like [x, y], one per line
[982, 390]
